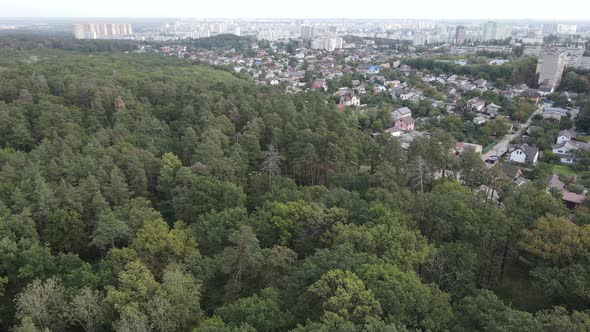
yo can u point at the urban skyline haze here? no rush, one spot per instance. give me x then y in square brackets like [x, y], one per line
[576, 10]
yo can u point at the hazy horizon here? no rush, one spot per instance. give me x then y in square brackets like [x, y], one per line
[543, 10]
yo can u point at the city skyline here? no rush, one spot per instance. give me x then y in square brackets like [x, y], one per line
[569, 10]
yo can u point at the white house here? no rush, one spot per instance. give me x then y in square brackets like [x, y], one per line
[566, 150]
[479, 120]
[406, 96]
[565, 136]
[524, 154]
[350, 101]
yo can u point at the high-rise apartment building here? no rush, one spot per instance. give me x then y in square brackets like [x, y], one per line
[549, 29]
[307, 32]
[496, 31]
[327, 43]
[550, 67]
[102, 30]
[567, 29]
[460, 34]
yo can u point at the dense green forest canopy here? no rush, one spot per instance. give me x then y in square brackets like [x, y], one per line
[144, 193]
[24, 41]
[517, 71]
[223, 41]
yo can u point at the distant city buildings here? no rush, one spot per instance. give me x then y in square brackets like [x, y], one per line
[567, 29]
[559, 29]
[102, 30]
[574, 56]
[327, 43]
[307, 32]
[460, 34]
[273, 35]
[496, 31]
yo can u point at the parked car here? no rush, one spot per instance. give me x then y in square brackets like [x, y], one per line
[492, 159]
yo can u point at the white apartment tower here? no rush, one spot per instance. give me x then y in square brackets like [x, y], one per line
[495, 31]
[550, 67]
[102, 30]
[307, 32]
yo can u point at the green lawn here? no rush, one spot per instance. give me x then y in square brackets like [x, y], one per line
[563, 170]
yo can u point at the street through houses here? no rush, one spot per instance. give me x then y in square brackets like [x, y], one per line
[502, 146]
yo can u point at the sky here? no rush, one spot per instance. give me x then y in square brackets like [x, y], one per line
[553, 10]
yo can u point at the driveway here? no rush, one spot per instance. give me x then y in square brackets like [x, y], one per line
[502, 146]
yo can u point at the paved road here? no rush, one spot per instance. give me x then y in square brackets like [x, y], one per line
[502, 146]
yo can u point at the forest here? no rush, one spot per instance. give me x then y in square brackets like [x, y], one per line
[515, 72]
[146, 193]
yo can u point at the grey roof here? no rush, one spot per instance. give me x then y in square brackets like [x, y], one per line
[401, 112]
[568, 133]
[530, 151]
[510, 170]
[573, 145]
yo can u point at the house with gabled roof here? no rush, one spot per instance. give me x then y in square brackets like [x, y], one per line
[566, 151]
[406, 123]
[475, 104]
[523, 153]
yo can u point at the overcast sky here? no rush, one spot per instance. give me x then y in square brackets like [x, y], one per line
[431, 9]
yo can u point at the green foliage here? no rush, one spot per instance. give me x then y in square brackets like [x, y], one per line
[485, 312]
[405, 299]
[261, 312]
[515, 71]
[140, 192]
[341, 293]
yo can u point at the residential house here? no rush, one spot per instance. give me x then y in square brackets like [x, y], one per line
[481, 83]
[401, 113]
[343, 91]
[554, 113]
[572, 200]
[565, 136]
[349, 100]
[523, 153]
[475, 104]
[379, 88]
[407, 96]
[479, 120]
[406, 123]
[511, 171]
[566, 151]
[464, 146]
[531, 95]
[319, 86]
[553, 182]
[407, 138]
[360, 89]
[493, 108]
[467, 86]
[438, 104]
[394, 131]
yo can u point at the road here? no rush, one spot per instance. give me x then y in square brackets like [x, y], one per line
[502, 146]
